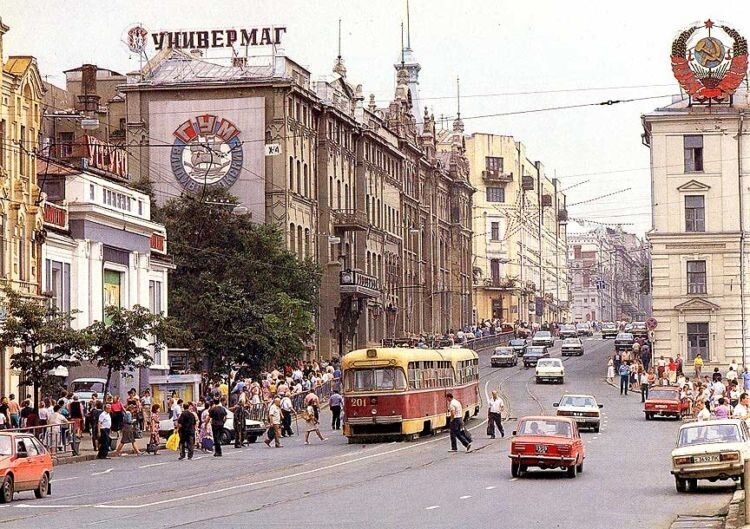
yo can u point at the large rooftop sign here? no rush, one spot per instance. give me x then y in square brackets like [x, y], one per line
[138, 38]
[709, 61]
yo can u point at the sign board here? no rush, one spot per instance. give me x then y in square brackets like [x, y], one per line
[273, 149]
[105, 156]
[651, 324]
[137, 38]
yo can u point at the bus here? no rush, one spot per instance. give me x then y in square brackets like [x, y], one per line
[400, 391]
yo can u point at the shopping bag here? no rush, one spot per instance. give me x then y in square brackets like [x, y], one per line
[207, 443]
[173, 443]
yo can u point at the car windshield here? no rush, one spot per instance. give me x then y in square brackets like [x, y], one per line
[571, 341]
[535, 350]
[578, 402]
[712, 433]
[88, 386]
[568, 328]
[542, 427]
[582, 326]
[517, 342]
[663, 394]
[624, 336]
[542, 334]
[6, 448]
[639, 326]
[609, 326]
[382, 378]
[503, 351]
[549, 362]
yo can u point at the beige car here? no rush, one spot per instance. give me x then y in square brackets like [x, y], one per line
[712, 450]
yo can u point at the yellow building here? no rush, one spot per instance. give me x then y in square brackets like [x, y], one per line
[520, 239]
[20, 216]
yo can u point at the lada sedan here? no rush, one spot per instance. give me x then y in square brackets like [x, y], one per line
[712, 450]
[609, 330]
[572, 346]
[503, 356]
[664, 401]
[624, 341]
[543, 338]
[518, 345]
[568, 331]
[546, 442]
[583, 409]
[25, 464]
[550, 370]
[533, 354]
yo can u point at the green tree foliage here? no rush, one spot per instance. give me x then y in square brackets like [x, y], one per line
[121, 342]
[41, 337]
[245, 299]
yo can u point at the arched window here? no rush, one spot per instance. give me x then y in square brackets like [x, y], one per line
[338, 194]
[330, 192]
[292, 239]
[346, 196]
[348, 256]
[299, 177]
[307, 181]
[291, 173]
[299, 243]
[308, 250]
[369, 264]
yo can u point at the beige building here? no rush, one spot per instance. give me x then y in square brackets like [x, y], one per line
[520, 240]
[700, 213]
[21, 228]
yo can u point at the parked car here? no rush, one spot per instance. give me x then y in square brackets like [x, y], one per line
[519, 345]
[609, 330]
[546, 442]
[85, 387]
[253, 429]
[543, 338]
[664, 401]
[711, 450]
[533, 354]
[572, 346]
[624, 341]
[582, 408]
[503, 356]
[568, 331]
[639, 329]
[584, 329]
[25, 464]
[550, 370]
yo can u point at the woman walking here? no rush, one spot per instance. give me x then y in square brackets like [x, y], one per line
[153, 428]
[610, 371]
[127, 433]
[312, 425]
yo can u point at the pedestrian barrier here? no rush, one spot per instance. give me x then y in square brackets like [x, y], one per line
[493, 340]
[57, 438]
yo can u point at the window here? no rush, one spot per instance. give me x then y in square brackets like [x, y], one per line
[696, 277]
[58, 283]
[154, 297]
[66, 140]
[92, 192]
[22, 151]
[494, 163]
[495, 194]
[495, 270]
[695, 213]
[22, 255]
[2, 143]
[693, 153]
[697, 335]
[116, 200]
[292, 238]
[112, 290]
[495, 231]
[385, 379]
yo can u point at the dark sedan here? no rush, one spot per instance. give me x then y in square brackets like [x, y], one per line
[624, 341]
[518, 345]
[533, 354]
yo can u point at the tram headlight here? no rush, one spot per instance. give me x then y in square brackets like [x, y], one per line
[374, 411]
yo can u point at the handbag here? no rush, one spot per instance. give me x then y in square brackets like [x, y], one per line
[271, 433]
[151, 448]
[207, 443]
[137, 432]
[114, 435]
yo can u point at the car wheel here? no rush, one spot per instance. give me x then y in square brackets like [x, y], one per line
[6, 492]
[579, 468]
[42, 489]
[252, 438]
[649, 416]
[680, 484]
[522, 470]
[692, 484]
[596, 429]
[514, 469]
[538, 380]
[572, 471]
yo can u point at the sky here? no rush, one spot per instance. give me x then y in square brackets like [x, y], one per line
[510, 56]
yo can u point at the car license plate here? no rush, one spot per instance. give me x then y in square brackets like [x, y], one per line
[541, 449]
[661, 406]
[578, 414]
[706, 459]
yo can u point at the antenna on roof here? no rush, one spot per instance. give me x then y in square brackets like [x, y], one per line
[458, 97]
[402, 43]
[408, 27]
[339, 56]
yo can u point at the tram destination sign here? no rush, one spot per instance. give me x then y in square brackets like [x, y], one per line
[138, 38]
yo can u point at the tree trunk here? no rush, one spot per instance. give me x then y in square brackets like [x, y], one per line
[106, 385]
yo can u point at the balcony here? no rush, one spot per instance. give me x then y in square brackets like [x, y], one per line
[499, 284]
[359, 284]
[493, 176]
[56, 216]
[349, 220]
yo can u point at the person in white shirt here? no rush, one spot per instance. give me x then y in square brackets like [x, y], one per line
[731, 374]
[494, 415]
[55, 419]
[742, 410]
[456, 423]
[702, 413]
[104, 424]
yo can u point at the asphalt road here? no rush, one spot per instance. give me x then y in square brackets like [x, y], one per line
[625, 483]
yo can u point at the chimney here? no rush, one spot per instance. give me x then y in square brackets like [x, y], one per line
[88, 100]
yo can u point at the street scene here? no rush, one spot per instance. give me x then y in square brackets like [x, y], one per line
[404, 264]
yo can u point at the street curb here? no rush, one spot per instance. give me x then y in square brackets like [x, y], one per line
[735, 510]
[57, 461]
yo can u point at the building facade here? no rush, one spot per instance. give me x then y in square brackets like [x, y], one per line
[382, 204]
[609, 270]
[21, 228]
[520, 247]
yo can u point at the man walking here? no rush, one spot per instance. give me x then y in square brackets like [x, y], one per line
[643, 380]
[494, 415]
[186, 430]
[456, 423]
[274, 420]
[218, 415]
[287, 409]
[104, 424]
[624, 376]
[240, 414]
[334, 402]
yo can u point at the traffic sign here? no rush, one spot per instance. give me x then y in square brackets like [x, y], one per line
[651, 324]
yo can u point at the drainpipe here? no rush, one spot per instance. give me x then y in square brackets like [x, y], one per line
[741, 121]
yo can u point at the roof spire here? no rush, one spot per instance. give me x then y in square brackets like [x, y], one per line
[402, 44]
[339, 67]
[408, 27]
[458, 124]
[339, 56]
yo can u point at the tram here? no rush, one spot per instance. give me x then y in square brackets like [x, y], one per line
[400, 391]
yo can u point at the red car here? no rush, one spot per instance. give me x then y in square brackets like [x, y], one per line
[25, 464]
[546, 442]
[664, 401]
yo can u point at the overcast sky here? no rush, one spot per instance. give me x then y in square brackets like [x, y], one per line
[576, 52]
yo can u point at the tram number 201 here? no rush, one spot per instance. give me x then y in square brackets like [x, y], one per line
[358, 402]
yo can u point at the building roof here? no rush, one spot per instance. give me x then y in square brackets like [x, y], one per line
[53, 168]
[18, 65]
[98, 69]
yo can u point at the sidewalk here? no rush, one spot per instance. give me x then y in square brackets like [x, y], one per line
[731, 517]
[87, 453]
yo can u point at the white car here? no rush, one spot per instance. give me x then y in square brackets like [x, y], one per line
[550, 370]
[543, 338]
[84, 388]
[710, 450]
[583, 409]
[253, 429]
[572, 346]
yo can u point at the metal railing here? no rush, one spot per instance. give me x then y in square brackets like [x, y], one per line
[485, 342]
[57, 438]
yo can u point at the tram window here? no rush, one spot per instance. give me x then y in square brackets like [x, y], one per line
[374, 379]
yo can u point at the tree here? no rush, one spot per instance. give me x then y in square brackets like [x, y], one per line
[247, 301]
[41, 337]
[120, 343]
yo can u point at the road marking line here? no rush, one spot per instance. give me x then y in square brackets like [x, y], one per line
[103, 472]
[513, 479]
[432, 507]
[464, 497]
[490, 487]
[154, 465]
[595, 438]
[64, 479]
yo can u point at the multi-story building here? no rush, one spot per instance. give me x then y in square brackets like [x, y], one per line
[520, 243]
[360, 189]
[21, 228]
[609, 270]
